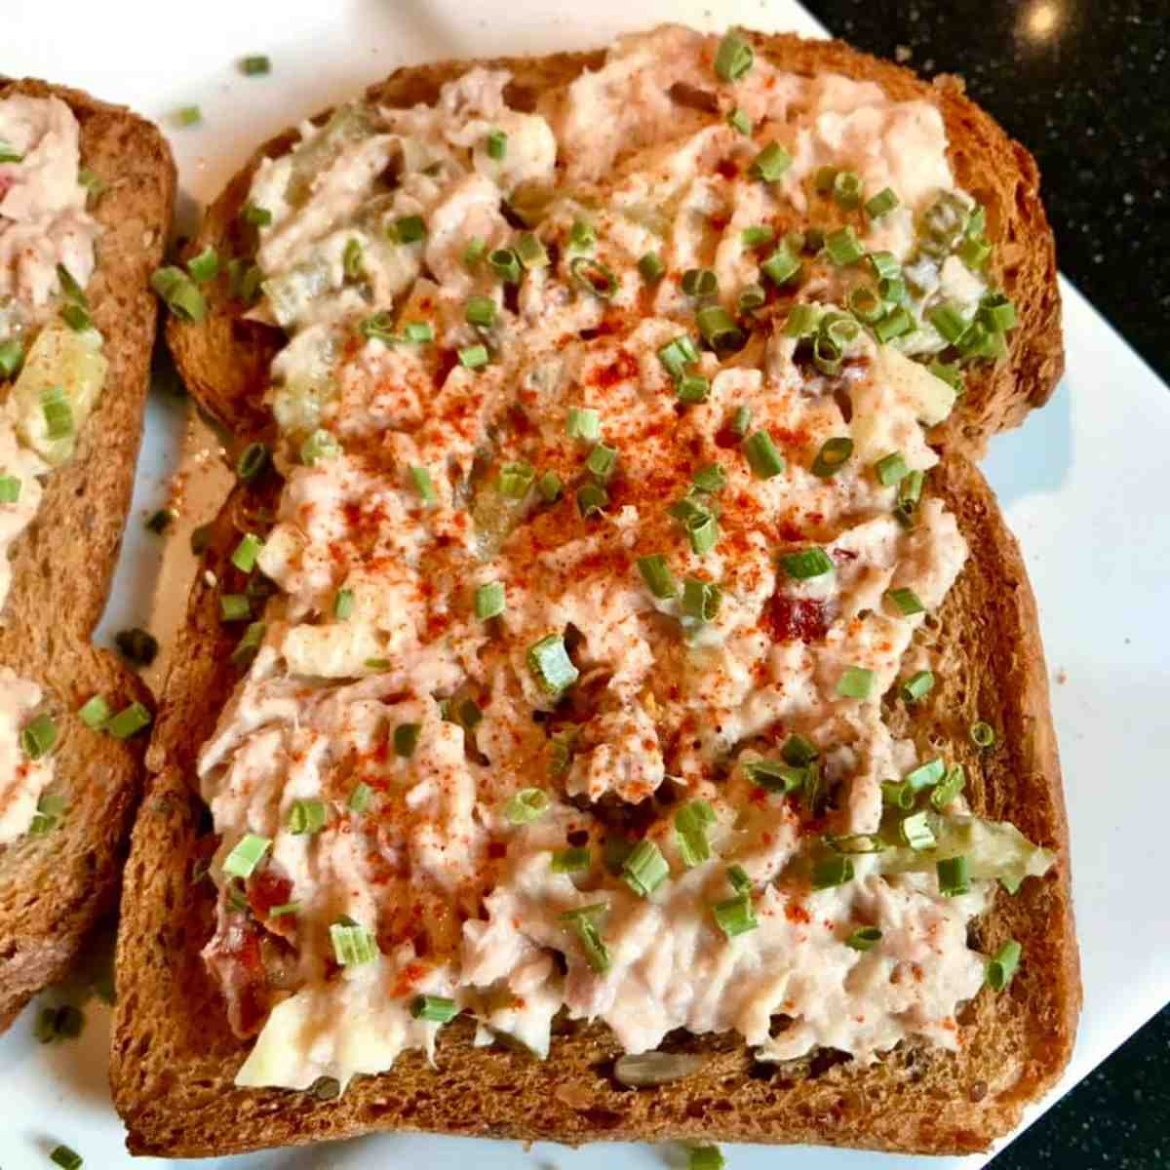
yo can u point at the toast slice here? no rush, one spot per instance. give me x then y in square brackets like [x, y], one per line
[224, 360]
[54, 887]
[175, 1057]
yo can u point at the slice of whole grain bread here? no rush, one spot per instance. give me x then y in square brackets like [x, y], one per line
[175, 1057]
[224, 360]
[54, 887]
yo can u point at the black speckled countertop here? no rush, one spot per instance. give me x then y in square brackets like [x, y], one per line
[1086, 87]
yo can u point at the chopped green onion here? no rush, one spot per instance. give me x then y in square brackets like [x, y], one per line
[710, 478]
[803, 320]
[855, 683]
[734, 57]
[76, 317]
[864, 938]
[738, 877]
[762, 455]
[57, 412]
[406, 737]
[129, 721]
[705, 1158]
[180, 293]
[832, 456]
[807, 563]
[435, 1009]
[998, 313]
[526, 806]
[948, 790]
[915, 830]
[38, 737]
[832, 871]
[359, 799]
[352, 944]
[244, 558]
[906, 600]
[657, 576]
[953, 876]
[284, 909]
[306, 817]
[516, 478]
[592, 499]
[741, 420]
[550, 487]
[823, 179]
[974, 253]
[506, 265]
[318, 446]
[95, 713]
[677, 354]
[531, 251]
[890, 469]
[895, 323]
[551, 666]
[497, 145]
[771, 163]
[409, 229]
[847, 189]
[751, 297]
[757, 235]
[583, 422]
[601, 461]
[982, 734]
[897, 794]
[799, 751]
[693, 388]
[10, 487]
[582, 237]
[703, 532]
[735, 915]
[701, 600]
[247, 646]
[188, 115]
[843, 247]
[255, 65]
[593, 276]
[691, 823]
[343, 605]
[1001, 967]
[917, 686]
[881, 204]
[11, 356]
[910, 490]
[66, 1158]
[489, 600]
[949, 320]
[247, 853]
[234, 607]
[948, 372]
[424, 484]
[738, 120]
[252, 461]
[574, 860]
[378, 327]
[583, 921]
[9, 153]
[775, 775]
[783, 266]
[352, 259]
[645, 868]
[472, 357]
[866, 304]
[475, 251]
[700, 282]
[256, 216]
[651, 267]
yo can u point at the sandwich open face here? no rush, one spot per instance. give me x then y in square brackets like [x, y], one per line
[85, 203]
[614, 707]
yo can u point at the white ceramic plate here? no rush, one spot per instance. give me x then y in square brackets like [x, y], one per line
[1083, 484]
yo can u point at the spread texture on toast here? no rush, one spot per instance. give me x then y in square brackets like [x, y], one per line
[85, 199]
[588, 657]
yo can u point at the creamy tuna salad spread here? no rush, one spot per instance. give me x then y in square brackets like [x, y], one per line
[602, 542]
[51, 371]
